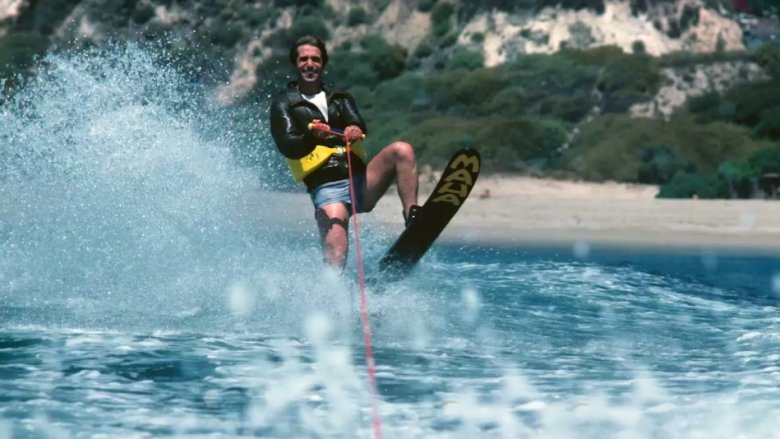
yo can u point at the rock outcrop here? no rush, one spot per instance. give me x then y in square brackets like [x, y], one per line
[663, 27]
[506, 36]
[683, 83]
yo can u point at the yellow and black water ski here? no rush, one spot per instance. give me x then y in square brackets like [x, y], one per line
[451, 191]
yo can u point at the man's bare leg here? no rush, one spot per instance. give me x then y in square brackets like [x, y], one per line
[333, 222]
[395, 162]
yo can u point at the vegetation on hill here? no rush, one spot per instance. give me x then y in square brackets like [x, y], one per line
[565, 114]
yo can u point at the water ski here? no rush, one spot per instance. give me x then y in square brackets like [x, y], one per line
[451, 191]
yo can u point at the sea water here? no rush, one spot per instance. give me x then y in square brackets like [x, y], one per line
[149, 288]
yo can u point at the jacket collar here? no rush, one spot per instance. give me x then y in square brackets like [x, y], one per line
[295, 97]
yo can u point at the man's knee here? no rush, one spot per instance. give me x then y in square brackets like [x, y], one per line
[403, 151]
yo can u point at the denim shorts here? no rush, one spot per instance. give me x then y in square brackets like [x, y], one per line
[338, 192]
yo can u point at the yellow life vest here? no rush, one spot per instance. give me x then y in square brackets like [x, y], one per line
[309, 163]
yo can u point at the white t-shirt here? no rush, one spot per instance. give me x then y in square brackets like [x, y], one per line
[320, 100]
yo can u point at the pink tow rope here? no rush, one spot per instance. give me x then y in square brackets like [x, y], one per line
[376, 418]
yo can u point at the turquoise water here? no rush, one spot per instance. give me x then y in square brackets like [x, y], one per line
[144, 293]
[516, 344]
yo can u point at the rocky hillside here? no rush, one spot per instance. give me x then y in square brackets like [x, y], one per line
[248, 34]
[679, 93]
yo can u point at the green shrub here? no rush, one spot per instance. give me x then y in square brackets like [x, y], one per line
[544, 139]
[689, 59]
[378, 61]
[389, 128]
[571, 108]
[440, 18]
[508, 100]
[438, 137]
[769, 125]
[448, 40]
[507, 143]
[467, 89]
[627, 80]
[619, 101]
[347, 69]
[766, 160]
[709, 145]
[478, 37]
[309, 25]
[423, 50]
[739, 176]
[388, 61]
[466, 59]
[700, 185]
[400, 94]
[597, 56]
[425, 5]
[475, 87]
[705, 106]
[257, 16]
[610, 147]
[556, 84]
[363, 96]
[752, 100]
[754, 105]
[322, 10]
[356, 16]
[659, 163]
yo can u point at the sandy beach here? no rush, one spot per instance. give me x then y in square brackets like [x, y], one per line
[525, 211]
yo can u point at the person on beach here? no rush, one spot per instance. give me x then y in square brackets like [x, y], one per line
[318, 158]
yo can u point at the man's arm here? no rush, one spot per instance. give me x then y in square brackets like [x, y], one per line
[292, 141]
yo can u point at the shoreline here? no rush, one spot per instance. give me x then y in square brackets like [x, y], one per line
[531, 212]
[535, 212]
[587, 240]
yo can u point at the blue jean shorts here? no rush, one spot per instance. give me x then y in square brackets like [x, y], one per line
[338, 192]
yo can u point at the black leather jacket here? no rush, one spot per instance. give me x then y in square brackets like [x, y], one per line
[290, 118]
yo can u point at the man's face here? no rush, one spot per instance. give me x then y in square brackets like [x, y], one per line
[309, 63]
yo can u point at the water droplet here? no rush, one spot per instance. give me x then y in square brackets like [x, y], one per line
[581, 250]
[472, 302]
[776, 284]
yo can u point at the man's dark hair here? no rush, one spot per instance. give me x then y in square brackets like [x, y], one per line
[311, 41]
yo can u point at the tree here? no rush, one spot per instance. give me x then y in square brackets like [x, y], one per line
[768, 57]
[659, 164]
[739, 176]
[700, 185]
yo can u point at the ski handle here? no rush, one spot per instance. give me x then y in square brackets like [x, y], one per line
[319, 126]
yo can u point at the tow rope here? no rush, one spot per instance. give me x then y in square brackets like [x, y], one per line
[371, 365]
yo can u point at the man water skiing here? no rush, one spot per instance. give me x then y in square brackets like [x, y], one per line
[319, 160]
